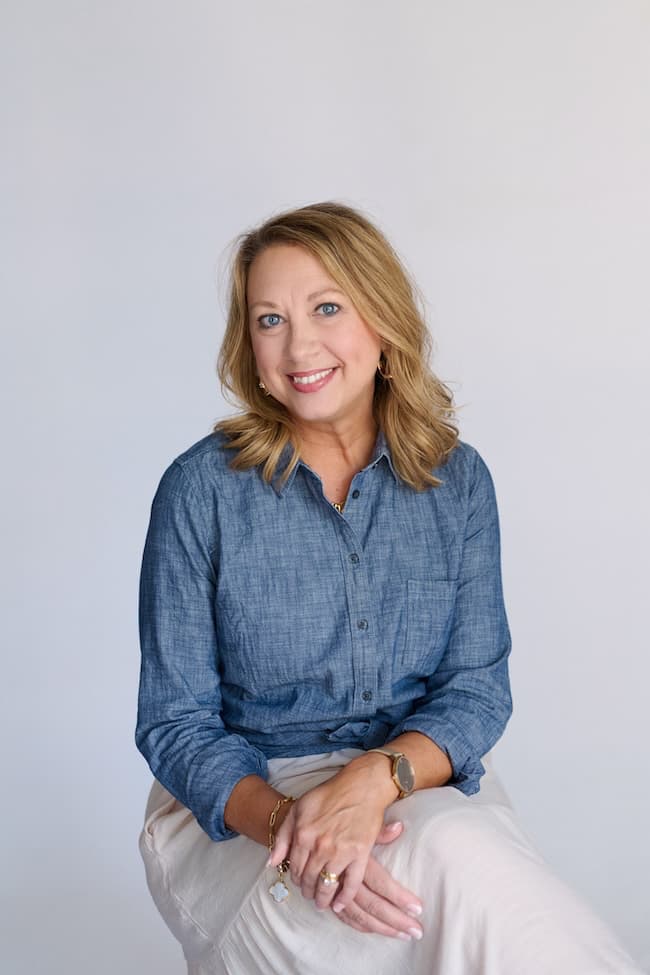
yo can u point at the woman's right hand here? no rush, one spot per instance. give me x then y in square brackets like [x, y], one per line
[382, 905]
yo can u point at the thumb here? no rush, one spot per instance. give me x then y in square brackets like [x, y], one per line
[389, 832]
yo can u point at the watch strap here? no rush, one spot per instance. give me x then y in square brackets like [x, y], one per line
[394, 757]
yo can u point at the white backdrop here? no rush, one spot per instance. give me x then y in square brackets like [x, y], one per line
[505, 149]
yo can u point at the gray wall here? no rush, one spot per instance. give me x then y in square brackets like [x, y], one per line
[505, 148]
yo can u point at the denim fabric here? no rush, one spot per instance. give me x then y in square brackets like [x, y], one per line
[273, 626]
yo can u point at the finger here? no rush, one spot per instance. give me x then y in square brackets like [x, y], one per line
[389, 832]
[357, 918]
[326, 891]
[375, 908]
[379, 881]
[352, 880]
[312, 881]
[299, 859]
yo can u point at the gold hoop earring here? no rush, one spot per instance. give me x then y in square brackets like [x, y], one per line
[384, 372]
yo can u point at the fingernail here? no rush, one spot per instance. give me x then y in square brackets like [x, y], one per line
[414, 910]
[394, 825]
[415, 933]
[268, 862]
[403, 936]
[337, 908]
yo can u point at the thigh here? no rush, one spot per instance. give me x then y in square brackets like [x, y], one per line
[491, 903]
[492, 906]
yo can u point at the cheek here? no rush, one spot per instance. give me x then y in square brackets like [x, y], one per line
[366, 349]
[260, 352]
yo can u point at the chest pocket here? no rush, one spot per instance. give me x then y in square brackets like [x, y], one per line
[429, 613]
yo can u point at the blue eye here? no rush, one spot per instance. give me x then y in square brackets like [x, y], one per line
[270, 320]
[329, 308]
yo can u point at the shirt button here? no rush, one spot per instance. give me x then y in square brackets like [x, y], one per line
[354, 558]
[362, 624]
[366, 696]
[355, 494]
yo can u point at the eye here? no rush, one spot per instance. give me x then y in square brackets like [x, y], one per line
[329, 308]
[270, 320]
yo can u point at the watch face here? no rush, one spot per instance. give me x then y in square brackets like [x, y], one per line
[404, 772]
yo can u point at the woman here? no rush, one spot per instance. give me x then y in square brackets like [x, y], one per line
[324, 650]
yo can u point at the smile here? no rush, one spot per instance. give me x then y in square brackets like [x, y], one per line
[312, 378]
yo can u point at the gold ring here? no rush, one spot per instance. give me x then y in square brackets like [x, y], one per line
[327, 878]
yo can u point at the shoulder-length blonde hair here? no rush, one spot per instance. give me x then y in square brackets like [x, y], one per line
[412, 407]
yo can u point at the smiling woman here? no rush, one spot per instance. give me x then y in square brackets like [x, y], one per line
[310, 346]
[351, 263]
[325, 651]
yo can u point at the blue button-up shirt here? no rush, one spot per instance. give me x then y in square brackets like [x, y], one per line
[271, 625]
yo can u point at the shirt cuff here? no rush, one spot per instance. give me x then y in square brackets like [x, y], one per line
[467, 768]
[234, 763]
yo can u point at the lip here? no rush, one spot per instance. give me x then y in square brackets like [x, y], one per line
[314, 386]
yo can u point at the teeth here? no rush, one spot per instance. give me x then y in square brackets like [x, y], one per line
[307, 380]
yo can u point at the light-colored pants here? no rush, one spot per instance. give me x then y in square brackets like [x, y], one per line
[491, 905]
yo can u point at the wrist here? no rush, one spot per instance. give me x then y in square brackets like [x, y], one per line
[281, 812]
[401, 770]
[378, 768]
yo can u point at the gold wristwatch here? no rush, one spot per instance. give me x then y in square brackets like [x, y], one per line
[402, 771]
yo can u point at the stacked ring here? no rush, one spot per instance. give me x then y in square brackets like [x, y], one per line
[327, 878]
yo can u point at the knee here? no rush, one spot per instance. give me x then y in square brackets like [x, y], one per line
[465, 841]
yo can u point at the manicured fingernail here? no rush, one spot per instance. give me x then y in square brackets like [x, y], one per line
[268, 862]
[403, 936]
[337, 908]
[415, 933]
[394, 825]
[414, 910]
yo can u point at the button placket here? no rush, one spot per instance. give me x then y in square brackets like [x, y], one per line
[360, 604]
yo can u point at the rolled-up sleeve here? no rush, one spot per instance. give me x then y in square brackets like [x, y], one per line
[180, 730]
[467, 702]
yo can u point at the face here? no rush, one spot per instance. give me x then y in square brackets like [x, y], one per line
[314, 352]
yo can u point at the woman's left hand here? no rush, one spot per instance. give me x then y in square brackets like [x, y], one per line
[384, 906]
[333, 828]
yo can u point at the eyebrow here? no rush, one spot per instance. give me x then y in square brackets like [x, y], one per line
[311, 297]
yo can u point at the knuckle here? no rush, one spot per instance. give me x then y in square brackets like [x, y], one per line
[372, 907]
[323, 846]
[302, 835]
[357, 849]
[352, 914]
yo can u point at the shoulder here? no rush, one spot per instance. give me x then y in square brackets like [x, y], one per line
[203, 473]
[464, 470]
[207, 456]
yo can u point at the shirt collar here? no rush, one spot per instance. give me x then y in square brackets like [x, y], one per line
[380, 450]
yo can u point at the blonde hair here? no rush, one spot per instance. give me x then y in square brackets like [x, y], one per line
[412, 407]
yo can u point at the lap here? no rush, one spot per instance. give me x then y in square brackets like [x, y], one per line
[467, 859]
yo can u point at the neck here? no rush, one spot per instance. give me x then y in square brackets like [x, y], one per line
[344, 449]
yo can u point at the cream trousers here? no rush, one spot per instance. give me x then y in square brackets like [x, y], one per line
[491, 905]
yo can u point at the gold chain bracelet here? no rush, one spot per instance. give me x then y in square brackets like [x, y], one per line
[278, 890]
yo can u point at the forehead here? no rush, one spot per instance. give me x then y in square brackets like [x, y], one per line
[285, 267]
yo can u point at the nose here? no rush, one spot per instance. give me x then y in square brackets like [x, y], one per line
[302, 339]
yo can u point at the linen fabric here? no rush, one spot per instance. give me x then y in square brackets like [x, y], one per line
[273, 626]
[491, 905]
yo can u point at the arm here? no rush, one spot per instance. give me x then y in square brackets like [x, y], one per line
[467, 701]
[180, 730]
[219, 776]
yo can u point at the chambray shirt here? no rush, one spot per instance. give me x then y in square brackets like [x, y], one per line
[271, 625]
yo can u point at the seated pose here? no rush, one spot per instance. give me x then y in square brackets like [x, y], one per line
[325, 651]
